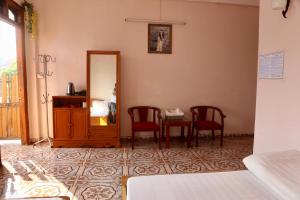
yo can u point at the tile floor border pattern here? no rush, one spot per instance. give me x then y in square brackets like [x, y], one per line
[96, 173]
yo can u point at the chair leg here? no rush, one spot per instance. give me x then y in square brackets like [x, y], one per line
[155, 136]
[213, 134]
[189, 137]
[159, 139]
[162, 130]
[132, 140]
[192, 134]
[197, 137]
[222, 135]
[182, 133]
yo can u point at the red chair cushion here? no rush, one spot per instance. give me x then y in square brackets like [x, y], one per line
[208, 125]
[145, 126]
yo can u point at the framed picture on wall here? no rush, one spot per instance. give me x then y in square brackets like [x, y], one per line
[160, 38]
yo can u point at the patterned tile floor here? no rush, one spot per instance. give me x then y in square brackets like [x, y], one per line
[94, 174]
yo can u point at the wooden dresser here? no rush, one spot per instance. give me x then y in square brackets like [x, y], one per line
[70, 124]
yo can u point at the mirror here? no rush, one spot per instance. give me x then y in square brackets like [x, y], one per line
[103, 89]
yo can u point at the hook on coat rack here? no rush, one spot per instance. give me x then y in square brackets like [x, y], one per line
[45, 98]
[45, 59]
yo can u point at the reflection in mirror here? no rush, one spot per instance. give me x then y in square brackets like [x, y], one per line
[103, 70]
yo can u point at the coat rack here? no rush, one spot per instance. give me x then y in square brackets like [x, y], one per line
[45, 59]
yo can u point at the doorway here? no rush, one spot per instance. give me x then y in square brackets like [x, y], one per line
[9, 95]
[13, 93]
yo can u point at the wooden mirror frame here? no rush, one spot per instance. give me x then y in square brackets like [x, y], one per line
[109, 135]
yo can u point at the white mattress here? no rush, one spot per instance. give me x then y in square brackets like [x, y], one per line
[239, 185]
[99, 112]
[280, 171]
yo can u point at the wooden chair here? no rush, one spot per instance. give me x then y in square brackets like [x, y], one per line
[140, 121]
[201, 121]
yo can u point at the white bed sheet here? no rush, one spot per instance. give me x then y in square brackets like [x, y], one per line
[279, 170]
[99, 112]
[238, 185]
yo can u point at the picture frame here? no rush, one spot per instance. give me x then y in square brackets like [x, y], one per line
[160, 38]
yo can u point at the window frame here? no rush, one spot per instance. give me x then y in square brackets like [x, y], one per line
[16, 9]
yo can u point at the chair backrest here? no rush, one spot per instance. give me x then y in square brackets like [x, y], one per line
[144, 113]
[204, 112]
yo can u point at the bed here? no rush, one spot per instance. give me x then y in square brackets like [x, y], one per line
[269, 176]
[99, 112]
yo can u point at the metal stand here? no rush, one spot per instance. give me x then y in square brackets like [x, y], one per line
[45, 59]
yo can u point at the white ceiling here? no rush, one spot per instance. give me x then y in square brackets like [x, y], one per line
[237, 2]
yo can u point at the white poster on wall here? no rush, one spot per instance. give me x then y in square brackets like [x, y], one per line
[271, 65]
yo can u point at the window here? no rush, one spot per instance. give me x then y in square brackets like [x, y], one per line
[11, 15]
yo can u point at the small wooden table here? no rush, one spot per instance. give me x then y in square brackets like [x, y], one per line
[182, 123]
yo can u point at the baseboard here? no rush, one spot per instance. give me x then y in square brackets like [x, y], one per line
[201, 135]
[33, 140]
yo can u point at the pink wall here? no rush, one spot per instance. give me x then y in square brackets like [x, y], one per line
[214, 58]
[277, 112]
